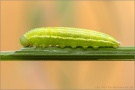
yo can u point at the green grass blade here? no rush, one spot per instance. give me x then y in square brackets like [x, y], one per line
[56, 53]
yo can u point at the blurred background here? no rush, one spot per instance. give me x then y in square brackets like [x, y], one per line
[115, 18]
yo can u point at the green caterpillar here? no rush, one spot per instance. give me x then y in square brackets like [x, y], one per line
[65, 36]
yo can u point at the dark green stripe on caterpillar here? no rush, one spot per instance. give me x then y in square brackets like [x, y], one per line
[65, 36]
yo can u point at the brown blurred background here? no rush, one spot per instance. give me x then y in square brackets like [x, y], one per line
[115, 18]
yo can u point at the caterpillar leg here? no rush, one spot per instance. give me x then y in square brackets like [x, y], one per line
[85, 47]
[62, 46]
[35, 45]
[115, 46]
[43, 46]
[73, 46]
[95, 47]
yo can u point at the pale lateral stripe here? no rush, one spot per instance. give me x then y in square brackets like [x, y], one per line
[47, 36]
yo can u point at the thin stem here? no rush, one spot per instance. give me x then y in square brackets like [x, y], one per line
[64, 54]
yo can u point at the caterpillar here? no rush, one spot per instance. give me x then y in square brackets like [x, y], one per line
[66, 36]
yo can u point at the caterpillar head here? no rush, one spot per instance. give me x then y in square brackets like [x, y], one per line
[24, 41]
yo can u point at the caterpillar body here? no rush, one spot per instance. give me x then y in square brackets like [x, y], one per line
[65, 36]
